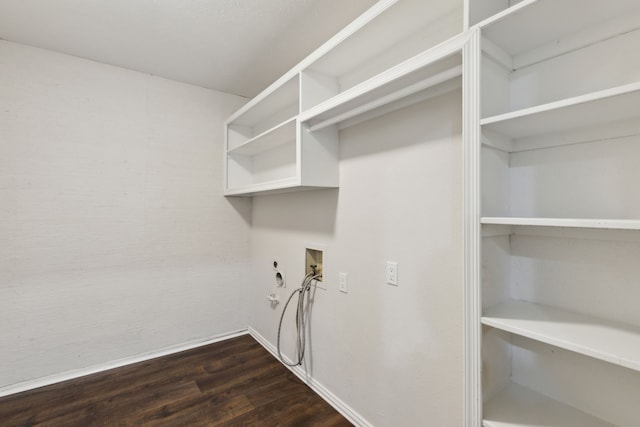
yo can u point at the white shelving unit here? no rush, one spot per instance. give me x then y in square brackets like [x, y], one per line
[533, 30]
[555, 273]
[550, 39]
[551, 135]
[396, 54]
[261, 151]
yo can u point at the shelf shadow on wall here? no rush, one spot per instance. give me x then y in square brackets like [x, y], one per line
[312, 211]
[242, 206]
[419, 123]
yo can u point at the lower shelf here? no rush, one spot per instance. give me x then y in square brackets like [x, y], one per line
[613, 224]
[602, 339]
[518, 406]
[272, 187]
[250, 190]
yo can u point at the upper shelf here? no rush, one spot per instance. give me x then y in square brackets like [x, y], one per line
[518, 406]
[428, 69]
[593, 109]
[405, 29]
[612, 342]
[612, 224]
[382, 61]
[267, 140]
[277, 103]
[531, 24]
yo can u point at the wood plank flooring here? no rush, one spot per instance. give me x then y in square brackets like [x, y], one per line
[232, 383]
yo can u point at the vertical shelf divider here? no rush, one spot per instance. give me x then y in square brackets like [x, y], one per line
[472, 304]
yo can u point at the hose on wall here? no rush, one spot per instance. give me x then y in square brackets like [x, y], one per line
[300, 322]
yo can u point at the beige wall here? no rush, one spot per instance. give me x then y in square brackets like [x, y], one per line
[116, 240]
[393, 354]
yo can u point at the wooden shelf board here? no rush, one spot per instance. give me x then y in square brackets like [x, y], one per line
[598, 108]
[533, 23]
[278, 135]
[612, 224]
[388, 86]
[518, 406]
[612, 342]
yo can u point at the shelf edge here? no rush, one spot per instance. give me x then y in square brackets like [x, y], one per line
[504, 14]
[259, 136]
[613, 224]
[510, 399]
[564, 103]
[574, 346]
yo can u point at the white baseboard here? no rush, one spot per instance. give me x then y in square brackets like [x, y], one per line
[321, 390]
[77, 373]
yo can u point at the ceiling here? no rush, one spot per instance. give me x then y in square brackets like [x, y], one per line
[236, 46]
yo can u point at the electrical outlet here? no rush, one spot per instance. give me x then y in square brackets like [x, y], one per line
[342, 282]
[392, 273]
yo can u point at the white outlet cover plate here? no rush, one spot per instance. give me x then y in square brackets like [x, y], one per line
[342, 282]
[392, 273]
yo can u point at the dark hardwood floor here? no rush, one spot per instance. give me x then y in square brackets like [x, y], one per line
[231, 383]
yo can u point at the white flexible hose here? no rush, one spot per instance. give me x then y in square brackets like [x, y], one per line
[300, 324]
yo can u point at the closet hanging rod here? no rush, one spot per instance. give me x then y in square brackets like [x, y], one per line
[431, 81]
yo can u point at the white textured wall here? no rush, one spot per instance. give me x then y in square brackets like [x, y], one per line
[394, 354]
[115, 239]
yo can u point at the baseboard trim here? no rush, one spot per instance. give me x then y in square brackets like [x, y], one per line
[321, 390]
[77, 373]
